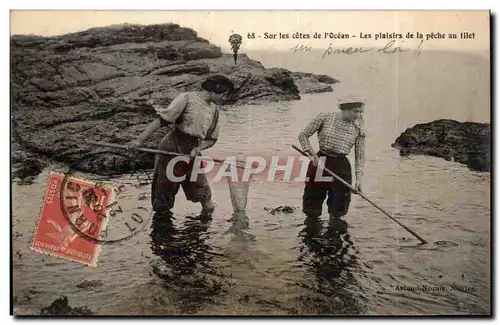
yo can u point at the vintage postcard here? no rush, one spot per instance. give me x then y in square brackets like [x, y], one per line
[251, 163]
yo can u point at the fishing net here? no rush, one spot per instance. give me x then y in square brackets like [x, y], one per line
[239, 187]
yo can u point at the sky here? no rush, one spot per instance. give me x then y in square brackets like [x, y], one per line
[216, 26]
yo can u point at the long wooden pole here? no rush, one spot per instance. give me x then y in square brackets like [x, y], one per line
[156, 151]
[364, 197]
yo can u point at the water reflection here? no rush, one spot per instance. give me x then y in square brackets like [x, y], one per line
[187, 267]
[330, 257]
[239, 226]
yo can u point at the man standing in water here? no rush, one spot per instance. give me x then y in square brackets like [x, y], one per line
[194, 120]
[337, 132]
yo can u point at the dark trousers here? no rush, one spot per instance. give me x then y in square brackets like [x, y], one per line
[163, 189]
[315, 191]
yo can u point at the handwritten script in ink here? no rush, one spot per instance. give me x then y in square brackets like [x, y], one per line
[389, 48]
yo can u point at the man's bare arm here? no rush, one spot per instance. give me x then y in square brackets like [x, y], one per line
[150, 130]
[165, 115]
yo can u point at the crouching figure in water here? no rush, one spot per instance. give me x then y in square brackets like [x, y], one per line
[194, 121]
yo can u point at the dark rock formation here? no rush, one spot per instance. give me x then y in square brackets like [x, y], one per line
[309, 83]
[467, 143]
[60, 307]
[25, 165]
[98, 85]
[89, 284]
[282, 208]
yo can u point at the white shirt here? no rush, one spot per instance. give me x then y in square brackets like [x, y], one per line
[192, 115]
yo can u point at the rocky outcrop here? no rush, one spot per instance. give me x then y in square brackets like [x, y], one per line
[467, 143]
[60, 307]
[89, 284]
[98, 84]
[309, 83]
[25, 165]
[281, 209]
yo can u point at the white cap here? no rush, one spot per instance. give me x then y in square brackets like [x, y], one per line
[351, 98]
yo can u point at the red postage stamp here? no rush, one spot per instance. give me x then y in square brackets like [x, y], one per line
[72, 218]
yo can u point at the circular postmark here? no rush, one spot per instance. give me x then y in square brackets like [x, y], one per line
[104, 212]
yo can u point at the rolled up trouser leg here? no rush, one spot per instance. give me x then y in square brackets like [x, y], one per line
[197, 190]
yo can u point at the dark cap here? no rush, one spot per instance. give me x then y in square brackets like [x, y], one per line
[217, 84]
